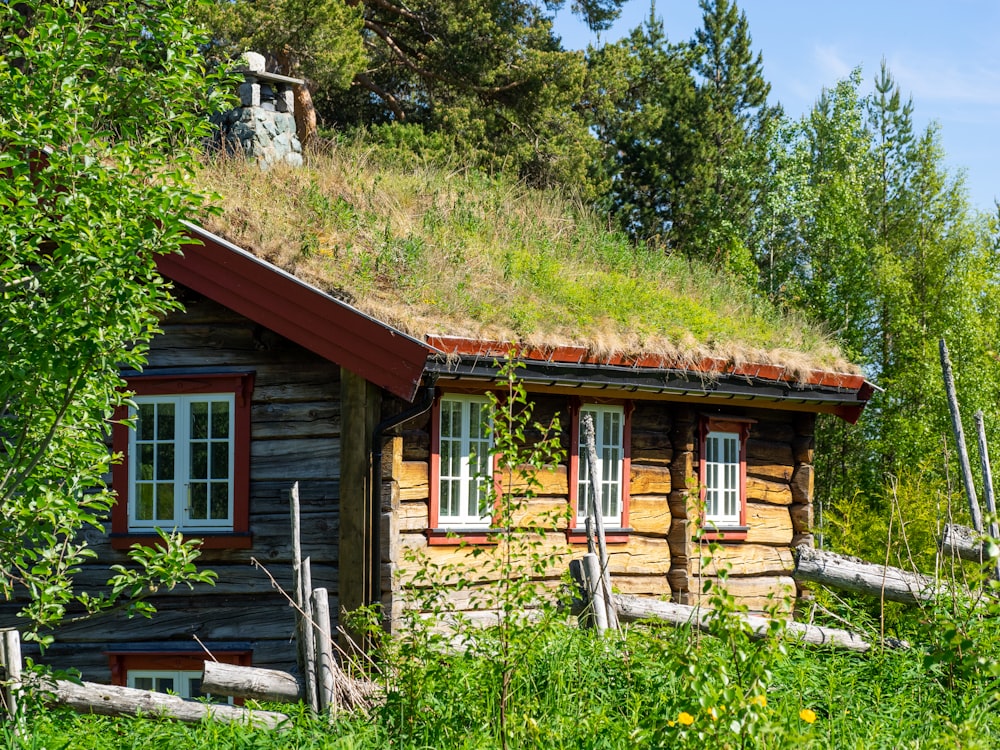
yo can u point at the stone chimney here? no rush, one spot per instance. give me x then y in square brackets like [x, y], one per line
[263, 126]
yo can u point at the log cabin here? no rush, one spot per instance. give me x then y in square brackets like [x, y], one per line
[263, 380]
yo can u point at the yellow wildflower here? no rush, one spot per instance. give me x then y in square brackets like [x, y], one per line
[712, 713]
[807, 715]
[685, 718]
[759, 700]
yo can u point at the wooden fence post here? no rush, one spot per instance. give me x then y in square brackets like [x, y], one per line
[302, 586]
[956, 425]
[324, 650]
[10, 660]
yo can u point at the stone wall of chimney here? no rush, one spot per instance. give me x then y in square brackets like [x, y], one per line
[263, 126]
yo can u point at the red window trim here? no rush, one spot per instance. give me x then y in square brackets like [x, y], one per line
[121, 662]
[240, 384]
[724, 423]
[575, 535]
[436, 535]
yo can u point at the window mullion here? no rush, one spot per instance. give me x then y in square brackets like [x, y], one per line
[182, 460]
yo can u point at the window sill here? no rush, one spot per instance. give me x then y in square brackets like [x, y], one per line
[727, 534]
[239, 540]
[611, 536]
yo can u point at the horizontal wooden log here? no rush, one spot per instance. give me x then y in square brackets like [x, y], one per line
[634, 609]
[804, 448]
[683, 471]
[551, 481]
[292, 460]
[651, 447]
[770, 451]
[769, 524]
[802, 517]
[756, 593]
[852, 574]
[650, 480]
[967, 543]
[773, 430]
[744, 560]
[413, 480]
[113, 700]
[769, 470]
[766, 491]
[653, 585]
[412, 516]
[652, 418]
[250, 682]
[309, 419]
[649, 514]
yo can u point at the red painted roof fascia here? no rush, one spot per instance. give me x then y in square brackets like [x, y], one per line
[708, 365]
[276, 300]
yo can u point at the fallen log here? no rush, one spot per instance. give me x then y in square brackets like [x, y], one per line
[636, 608]
[967, 544]
[114, 700]
[852, 574]
[251, 682]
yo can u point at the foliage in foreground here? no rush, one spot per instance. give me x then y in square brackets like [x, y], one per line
[97, 122]
[653, 688]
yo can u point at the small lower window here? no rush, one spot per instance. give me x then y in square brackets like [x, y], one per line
[186, 684]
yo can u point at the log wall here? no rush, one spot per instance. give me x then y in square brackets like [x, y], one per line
[295, 436]
[660, 557]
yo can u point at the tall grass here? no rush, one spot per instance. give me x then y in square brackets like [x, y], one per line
[578, 691]
[451, 251]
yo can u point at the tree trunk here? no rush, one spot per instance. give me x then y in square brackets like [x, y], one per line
[250, 682]
[851, 574]
[305, 111]
[113, 700]
[634, 608]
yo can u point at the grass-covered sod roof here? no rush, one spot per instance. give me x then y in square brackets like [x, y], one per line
[454, 253]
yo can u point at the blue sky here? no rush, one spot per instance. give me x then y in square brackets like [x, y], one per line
[946, 55]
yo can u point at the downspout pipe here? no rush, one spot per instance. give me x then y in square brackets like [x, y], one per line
[424, 403]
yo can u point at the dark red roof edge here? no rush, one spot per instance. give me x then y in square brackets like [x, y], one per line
[579, 355]
[262, 292]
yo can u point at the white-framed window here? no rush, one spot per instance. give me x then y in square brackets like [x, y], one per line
[185, 683]
[464, 443]
[181, 462]
[609, 433]
[722, 480]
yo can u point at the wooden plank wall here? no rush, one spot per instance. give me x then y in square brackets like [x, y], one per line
[660, 558]
[295, 436]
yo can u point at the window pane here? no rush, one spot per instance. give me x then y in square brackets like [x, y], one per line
[163, 684]
[220, 460]
[199, 500]
[165, 502]
[220, 500]
[164, 460]
[220, 420]
[146, 461]
[165, 421]
[144, 504]
[142, 683]
[146, 422]
[199, 420]
[199, 461]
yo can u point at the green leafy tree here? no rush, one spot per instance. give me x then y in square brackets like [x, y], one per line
[686, 129]
[101, 108]
[879, 242]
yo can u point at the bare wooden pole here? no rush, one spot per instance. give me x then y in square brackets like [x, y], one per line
[956, 425]
[10, 660]
[302, 583]
[597, 512]
[324, 649]
[594, 580]
[984, 461]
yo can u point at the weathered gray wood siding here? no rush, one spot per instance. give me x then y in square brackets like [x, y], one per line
[295, 436]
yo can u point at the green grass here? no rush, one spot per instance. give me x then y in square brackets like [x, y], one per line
[575, 691]
[456, 252]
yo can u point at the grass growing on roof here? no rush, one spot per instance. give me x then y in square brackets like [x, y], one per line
[450, 252]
